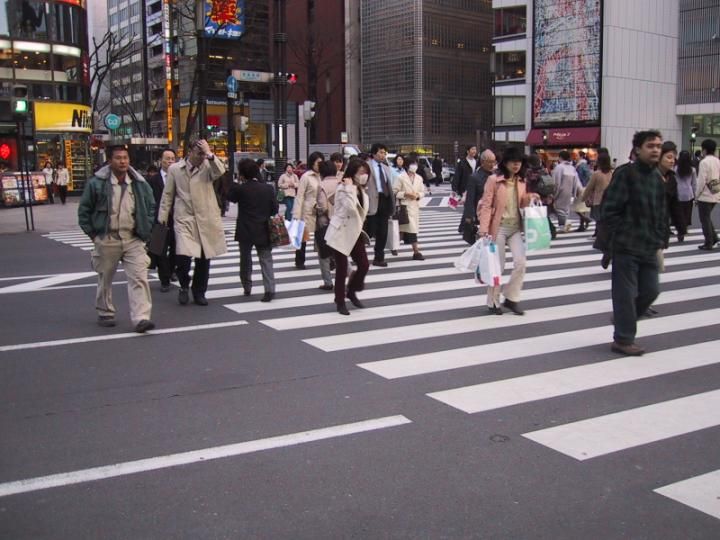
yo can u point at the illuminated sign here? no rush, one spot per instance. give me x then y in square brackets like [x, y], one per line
[224, 18]
[167, 39]
[5, 151]
[63, 117]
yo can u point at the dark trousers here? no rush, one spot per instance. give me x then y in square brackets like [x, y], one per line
[300, 254]
[51, 193]
[377, 226]
[705, 211]
[166, 263]
[266, 266]
[676, 216]
[201, 274]
[63, 193]
[685, 213]
[357, 279]
[635, 286]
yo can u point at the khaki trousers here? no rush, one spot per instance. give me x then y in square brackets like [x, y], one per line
[106, 255]
[512, 237]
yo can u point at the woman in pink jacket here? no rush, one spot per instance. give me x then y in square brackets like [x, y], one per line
[500, 220]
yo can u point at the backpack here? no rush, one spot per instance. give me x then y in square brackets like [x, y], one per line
[545, 186]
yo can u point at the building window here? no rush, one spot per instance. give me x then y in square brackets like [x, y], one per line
[70, 25]
[509, 65]
[31, 19]
[708, 125]
[66, 68]
[510, 21]
[32, 65]
[509, 111]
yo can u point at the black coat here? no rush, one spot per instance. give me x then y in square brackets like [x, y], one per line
[157, 185]
[475, 189]
[463, 172]
[256, 205]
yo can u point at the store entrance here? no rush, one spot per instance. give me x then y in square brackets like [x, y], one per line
[73, 150]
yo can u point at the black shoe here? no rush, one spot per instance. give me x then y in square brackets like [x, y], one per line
[342, 308]
[332, 264]
[106, 321]
[247, 291]
[605, 261]
[394, 252]
[143, 326]
[705, 247]
[267, 297]
[300, 267]
[495, 310]
[417, 256]
[324, 287]
[173, 277]
[354, 300]
[681, 238]
[183, 297]
[513, 306]
[200, 299]
[165, 287]
[627, 350]
[379, 263]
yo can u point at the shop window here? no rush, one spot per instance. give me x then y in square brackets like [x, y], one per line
[509, 111]
[32, 65]
[42, 91]
[510, 21]
[66, 68]
[6, 61]
[509, 65]
[69, 92]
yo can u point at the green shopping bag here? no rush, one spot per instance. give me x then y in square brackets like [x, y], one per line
[537, 228]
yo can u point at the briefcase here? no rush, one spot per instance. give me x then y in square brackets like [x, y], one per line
[158, 240]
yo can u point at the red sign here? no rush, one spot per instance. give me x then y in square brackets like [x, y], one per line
[571, 136]
[213, 120]
[5, 151]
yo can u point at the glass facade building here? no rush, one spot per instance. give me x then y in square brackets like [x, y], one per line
[44, 46]
[426, 73]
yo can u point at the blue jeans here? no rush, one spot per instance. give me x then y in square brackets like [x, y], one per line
[289, 202]
[635, 286]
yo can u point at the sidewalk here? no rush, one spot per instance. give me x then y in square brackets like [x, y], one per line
[48, 217]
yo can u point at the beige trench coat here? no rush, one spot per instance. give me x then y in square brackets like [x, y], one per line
[409, 192]
[347, 220]
[306, 200]
[198, 225]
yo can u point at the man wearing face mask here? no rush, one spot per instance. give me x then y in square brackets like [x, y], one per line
[199, 232]
[381, 201]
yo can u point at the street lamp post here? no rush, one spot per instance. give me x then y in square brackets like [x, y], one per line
[280, 86]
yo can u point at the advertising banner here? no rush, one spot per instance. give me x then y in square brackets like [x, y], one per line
[224, 18]
[62, 117]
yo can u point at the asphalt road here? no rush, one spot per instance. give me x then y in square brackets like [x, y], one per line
[419, 417]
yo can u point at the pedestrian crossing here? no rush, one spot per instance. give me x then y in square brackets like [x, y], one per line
[426, 322]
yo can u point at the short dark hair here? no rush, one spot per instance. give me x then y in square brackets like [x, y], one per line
[337, 157]
[354, 165]
[564, 155]
[327, 168]
[668, 146]
[709, 146]
[259, 162]
[400, 156]
[534, 161]
[248, 169]
[470, 147]
[375, 148]
[410, 159]
[168, 149]
[513, 154]
[641, 137]
[312, 158]
[110, 151]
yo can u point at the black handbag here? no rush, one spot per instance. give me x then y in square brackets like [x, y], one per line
[401, 214]
[158, 240]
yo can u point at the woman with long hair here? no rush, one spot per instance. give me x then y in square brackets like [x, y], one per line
[686, 178]
[345, 233]
[305, 207]
[599, 181]
[500, 220]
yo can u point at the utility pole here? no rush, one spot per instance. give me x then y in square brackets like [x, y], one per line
[201, 67]
[280, 86]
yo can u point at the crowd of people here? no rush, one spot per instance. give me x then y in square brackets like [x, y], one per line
[344, 205]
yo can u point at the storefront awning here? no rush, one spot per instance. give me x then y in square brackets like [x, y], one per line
[571, 136]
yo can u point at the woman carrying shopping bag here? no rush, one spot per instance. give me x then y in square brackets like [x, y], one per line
[305, 207]
[499, 217]
[409, 189]
[345, 233]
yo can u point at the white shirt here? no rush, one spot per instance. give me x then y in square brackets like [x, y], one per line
[472, 162]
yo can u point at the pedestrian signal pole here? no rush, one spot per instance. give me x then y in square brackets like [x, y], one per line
[20, 106]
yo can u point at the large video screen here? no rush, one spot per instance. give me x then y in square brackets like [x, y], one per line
[567, 43]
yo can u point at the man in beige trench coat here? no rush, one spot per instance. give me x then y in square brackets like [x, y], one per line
[198, 226]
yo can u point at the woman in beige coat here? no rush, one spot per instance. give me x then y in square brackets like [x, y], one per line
[305, 207]
[345, 233]
[409, 189]
[288, 182]
[499, 216]
[199, 232]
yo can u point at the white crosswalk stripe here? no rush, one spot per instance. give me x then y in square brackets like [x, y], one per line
[417, 310]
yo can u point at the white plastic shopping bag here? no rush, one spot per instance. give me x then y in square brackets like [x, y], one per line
[537, 227]
[470, 259]
[393, 237]
[488, 269]
[295, 232]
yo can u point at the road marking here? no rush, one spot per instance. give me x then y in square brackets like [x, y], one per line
[39, 284]
[528, 388]
[197, 456]
[469, 398]
[109, 337]
[701, 493]
[610, 433]
[451, 327]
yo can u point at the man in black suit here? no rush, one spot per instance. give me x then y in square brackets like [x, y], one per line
[165, 263]
[464, 170]
[381, 201]
[474, 193]
[256, 205]
[437, 167]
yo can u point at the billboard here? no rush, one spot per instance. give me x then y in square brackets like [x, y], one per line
[567, 53]
[224, 18]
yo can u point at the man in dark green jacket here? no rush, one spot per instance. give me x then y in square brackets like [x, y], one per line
[635, 214]
[117, 211]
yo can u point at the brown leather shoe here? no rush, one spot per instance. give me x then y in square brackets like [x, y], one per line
[627, 350]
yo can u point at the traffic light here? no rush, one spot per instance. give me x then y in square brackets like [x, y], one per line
[244, 120]
[20, 104]
[291, 78]
[308, 110]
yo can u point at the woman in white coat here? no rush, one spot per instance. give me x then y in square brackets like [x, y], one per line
[345, 233]
[409, 189]
[305, 207]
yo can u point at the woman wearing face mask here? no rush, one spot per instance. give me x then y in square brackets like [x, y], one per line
[305, 207]
[409, 189]
[345, 233]
[499, 216]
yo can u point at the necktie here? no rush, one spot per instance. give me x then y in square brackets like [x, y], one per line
[383, 180]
